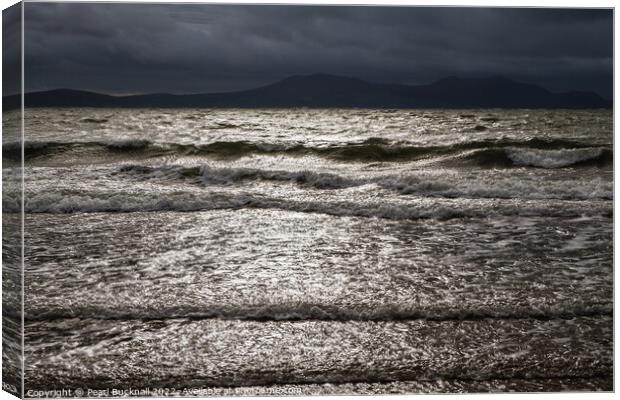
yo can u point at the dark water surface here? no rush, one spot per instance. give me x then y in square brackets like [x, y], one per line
[317, 251]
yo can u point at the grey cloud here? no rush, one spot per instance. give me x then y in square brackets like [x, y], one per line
[11, 50]
[131, 48]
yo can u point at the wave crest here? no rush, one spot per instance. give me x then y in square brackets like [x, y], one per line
[60, 203]
[545, 153]
[419, 185]
[558, 158]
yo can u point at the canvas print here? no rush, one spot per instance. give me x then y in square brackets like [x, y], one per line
[275, 200]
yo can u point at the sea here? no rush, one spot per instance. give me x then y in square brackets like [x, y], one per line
[199, 252]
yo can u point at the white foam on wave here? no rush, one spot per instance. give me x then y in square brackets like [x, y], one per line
[551, 158]
[416, 184]
[512, 188]
[398, 209]
[59, 203]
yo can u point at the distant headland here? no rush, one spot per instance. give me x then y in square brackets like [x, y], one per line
[331, 91]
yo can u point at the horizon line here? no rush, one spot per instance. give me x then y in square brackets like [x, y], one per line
[496, 76]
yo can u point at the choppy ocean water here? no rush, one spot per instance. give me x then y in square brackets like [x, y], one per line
[317, 251]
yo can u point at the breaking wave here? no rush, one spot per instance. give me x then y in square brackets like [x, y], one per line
[543, 153]
[524, 157]
[419, 185]
[60, 203]
[559, 158]
[224, 176]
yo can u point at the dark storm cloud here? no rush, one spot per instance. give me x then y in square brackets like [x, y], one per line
[11, 50]
[129, 48]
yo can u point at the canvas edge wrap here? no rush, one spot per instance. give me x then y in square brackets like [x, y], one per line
[13, 189]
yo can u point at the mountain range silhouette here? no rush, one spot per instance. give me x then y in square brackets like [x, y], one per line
[331, 91]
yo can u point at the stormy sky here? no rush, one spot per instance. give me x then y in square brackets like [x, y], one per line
[192, 48]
